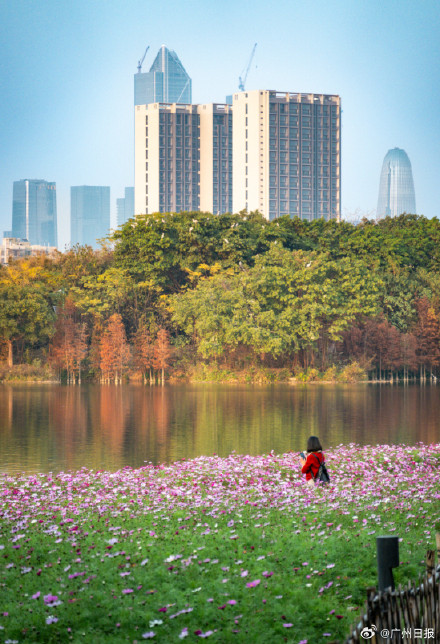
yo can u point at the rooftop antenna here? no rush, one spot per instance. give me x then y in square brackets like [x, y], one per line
[142, 60]
[242, 79]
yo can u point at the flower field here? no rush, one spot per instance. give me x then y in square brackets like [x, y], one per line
[233, 549]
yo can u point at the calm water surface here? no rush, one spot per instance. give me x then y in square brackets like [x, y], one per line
[57, 428]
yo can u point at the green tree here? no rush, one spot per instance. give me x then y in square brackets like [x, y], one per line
[289, 302]
[28, 293]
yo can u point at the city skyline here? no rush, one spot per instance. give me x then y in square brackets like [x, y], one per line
[68, 109]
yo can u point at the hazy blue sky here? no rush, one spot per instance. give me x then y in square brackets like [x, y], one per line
[66, 82]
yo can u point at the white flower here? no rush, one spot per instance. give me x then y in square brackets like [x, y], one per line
[155, 622]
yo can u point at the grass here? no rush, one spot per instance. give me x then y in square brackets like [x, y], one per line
[235, 549]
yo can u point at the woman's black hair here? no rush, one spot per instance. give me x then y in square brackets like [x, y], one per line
[313, 444]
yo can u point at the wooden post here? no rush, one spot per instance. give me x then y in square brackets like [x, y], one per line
[430, 562]
[387, 558]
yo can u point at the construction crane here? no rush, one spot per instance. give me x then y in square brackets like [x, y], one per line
[142, 60]
[242, 79]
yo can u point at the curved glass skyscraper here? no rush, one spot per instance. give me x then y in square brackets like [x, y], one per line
[396, 187]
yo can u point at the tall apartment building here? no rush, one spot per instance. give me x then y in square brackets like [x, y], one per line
[166, 82]
[34, 212]
[89, 214]
[125, 207]
[396, 186]
[286, 154]
[215, 158]
[167, 158]
[278, 153]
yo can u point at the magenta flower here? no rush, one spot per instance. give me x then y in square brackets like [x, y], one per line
[252, 584]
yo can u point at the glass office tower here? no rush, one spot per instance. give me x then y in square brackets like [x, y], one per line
[34, 211]
[89, 214]
[166, 82]
[396, 186]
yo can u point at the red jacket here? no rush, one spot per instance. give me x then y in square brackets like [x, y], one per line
[311, 466]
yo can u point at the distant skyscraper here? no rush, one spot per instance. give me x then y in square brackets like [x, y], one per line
[125, 207]
[34, 212]
[396, 187]
[166, 82]
[89, 214]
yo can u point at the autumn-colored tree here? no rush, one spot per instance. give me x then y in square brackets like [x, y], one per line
[427, 332]
[69, 345]
[377, 342]
[115, 350]
[144, 352]
[408, 354]
[162, 352]
[391, 357]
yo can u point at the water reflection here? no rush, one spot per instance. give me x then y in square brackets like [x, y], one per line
[52, 428]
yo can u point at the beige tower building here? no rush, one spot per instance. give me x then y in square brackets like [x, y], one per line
[167, 153]
[286, 154]
[215, 158]
[275, 152]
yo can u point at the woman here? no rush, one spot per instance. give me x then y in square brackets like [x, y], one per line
[315, 457]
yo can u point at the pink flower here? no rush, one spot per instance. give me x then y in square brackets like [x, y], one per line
[127, 591]
[252, 584]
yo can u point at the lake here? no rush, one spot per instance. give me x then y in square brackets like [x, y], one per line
[51, 428]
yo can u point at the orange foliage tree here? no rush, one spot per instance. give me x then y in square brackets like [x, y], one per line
[162, 352]
[427, 332]
[68, 348]
[144, 352]
[115, 350]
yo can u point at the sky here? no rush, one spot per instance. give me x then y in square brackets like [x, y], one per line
[67, 66]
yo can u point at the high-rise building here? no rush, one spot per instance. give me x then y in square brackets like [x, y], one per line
[286, 154]
[125, 207]
[89, 214]
[34, 211]
[396, 186]
[166, 82]
[215, 158]
[278, 153]
[167, 158]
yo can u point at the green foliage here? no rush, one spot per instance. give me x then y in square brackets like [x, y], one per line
[286, 302]
[240, 289]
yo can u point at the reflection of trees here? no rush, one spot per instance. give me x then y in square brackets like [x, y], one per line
[105, 427]
[68, 414]
[114, 407]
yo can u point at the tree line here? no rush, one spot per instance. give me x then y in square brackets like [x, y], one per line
[168, 292]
